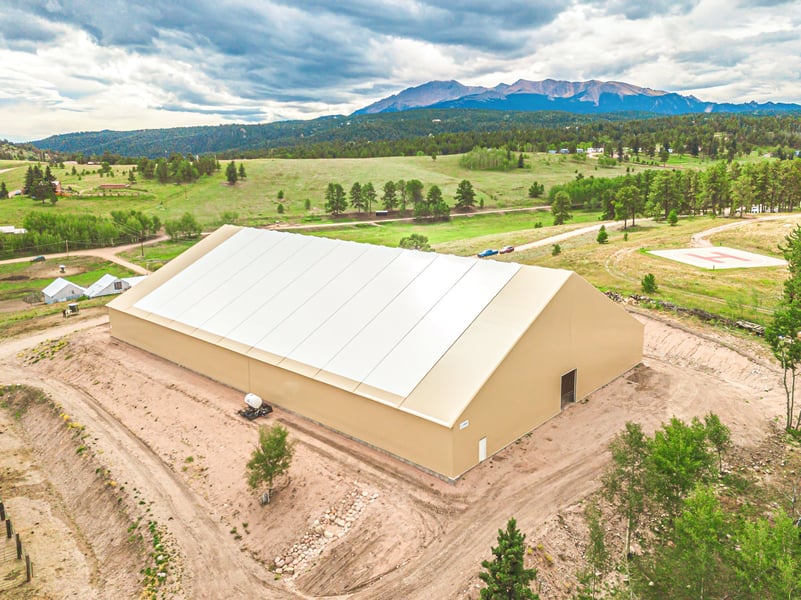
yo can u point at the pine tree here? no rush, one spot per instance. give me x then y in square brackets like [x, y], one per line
[335, 201]
[356, 200]
[3, 190]
[603, 237]
[506, 576]
[390, 197]
[230, 173]
[465, 195]
[368, 195]
[560, 208]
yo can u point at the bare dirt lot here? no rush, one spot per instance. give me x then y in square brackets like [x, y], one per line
[164, 446]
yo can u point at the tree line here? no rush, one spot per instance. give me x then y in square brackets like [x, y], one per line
[444, 132]
[399, 195]
[177, 168]
[53, 232]
[734, 187]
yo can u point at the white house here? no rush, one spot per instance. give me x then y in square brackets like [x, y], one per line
[109, 285]
[62, 290]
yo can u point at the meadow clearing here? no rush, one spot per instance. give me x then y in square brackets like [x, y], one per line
[256, 198]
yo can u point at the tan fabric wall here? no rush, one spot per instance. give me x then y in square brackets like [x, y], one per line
[205, 358]
[409, 437]
[579, 329]
[406, 436]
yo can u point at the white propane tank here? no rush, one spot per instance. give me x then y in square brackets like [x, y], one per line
[253, 401]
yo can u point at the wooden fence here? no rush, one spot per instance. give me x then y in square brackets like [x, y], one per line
[15, 564]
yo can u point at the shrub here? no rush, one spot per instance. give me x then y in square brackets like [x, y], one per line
[673, 218]
[649, 283]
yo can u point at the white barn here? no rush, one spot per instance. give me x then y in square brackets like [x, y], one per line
[62, 290]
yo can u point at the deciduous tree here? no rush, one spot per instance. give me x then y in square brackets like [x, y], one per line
[415, 241]
[624, 483]
[271, 458]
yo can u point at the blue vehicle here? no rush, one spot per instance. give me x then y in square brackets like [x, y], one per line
[486, 253]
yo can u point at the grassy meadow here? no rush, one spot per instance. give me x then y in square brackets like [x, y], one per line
[256, 201]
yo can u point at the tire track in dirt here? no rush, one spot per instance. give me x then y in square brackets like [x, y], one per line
[214, 565]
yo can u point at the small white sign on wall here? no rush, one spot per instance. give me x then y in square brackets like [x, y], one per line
[464, 424]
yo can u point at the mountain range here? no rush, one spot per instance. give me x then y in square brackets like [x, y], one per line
[578, 97]
[437, 107]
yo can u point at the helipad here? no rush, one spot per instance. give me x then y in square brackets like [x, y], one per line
[719, 257]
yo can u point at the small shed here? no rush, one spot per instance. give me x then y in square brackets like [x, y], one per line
[62, 290]
[108, 285]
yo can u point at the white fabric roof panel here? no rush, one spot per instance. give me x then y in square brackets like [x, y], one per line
[369, 315]
[362, 308]
[287, 262]
[267, 255]
[373, 343]
[440, 327]
[179, 287]
[282, 305]
[312, 317]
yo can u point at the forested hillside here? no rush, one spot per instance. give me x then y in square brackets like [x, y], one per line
[436, 132]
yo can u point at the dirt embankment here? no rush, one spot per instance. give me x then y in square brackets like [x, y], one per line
[80, 494]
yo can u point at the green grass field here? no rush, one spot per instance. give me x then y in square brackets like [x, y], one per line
[620, 265]
[463, 235]
[256, 201]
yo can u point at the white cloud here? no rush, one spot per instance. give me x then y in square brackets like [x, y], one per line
[149, 64]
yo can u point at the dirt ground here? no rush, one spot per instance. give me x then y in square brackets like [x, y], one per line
[166, 447]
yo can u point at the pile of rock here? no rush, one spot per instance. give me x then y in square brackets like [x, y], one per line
[333, 524]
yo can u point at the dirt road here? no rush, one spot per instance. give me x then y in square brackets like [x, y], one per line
[702, 237]
[108, 253]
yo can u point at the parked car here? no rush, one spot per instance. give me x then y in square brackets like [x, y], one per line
[487, 252]
[38, 259]
[507, 249]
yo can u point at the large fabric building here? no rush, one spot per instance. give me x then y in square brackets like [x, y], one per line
[439, 360]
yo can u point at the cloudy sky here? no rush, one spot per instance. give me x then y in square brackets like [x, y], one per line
[85, 65]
